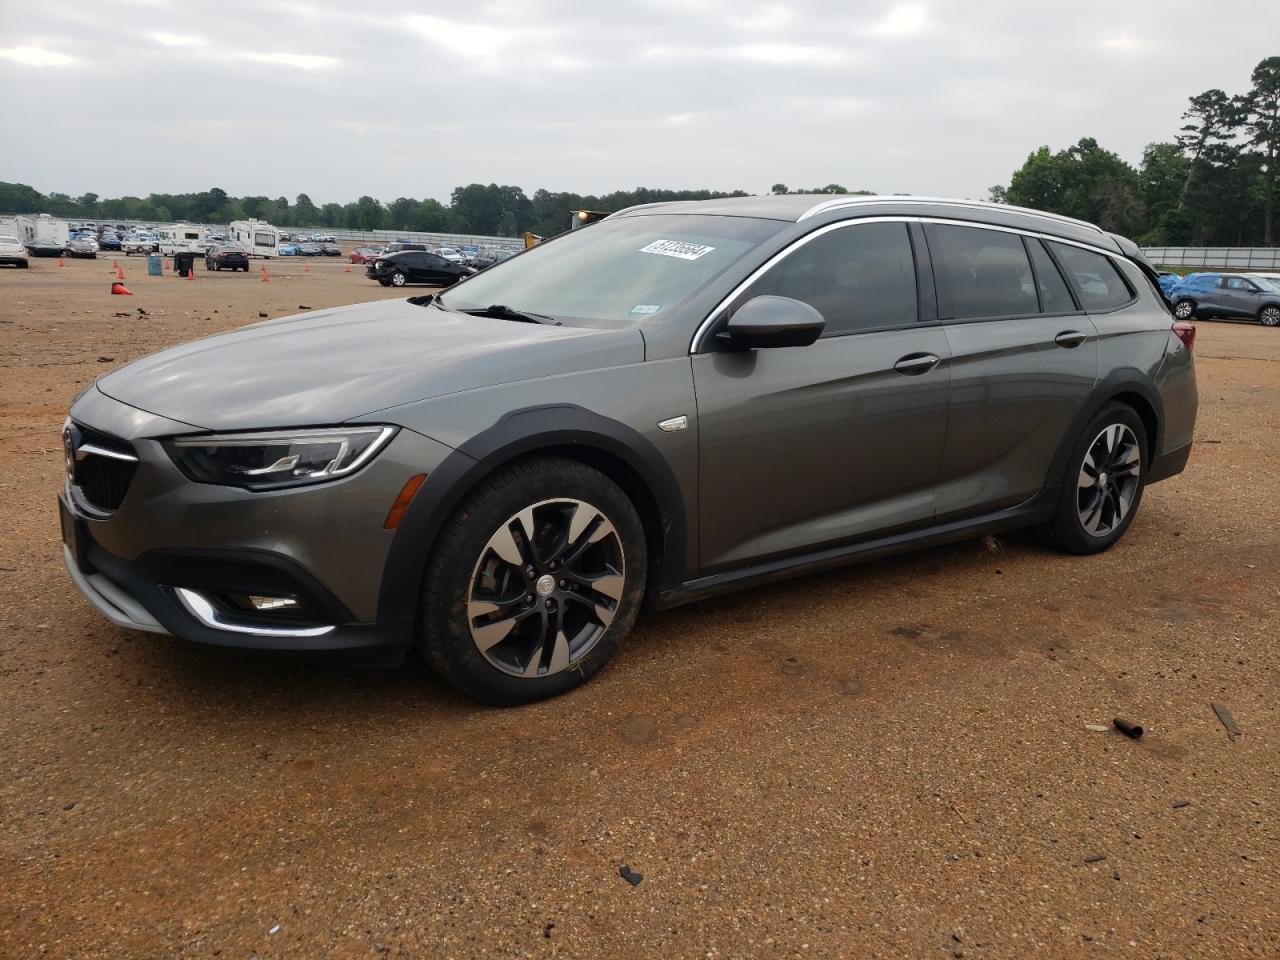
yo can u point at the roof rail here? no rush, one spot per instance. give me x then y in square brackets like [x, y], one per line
[840, 202]
[640, 206]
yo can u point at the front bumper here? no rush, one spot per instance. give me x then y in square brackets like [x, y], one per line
[174, 552]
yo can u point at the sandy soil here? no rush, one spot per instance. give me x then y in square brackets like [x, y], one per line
[891, 760]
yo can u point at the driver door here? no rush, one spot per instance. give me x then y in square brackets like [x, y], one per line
[802, 448]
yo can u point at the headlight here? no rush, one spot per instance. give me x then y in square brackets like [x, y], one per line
[285, 458]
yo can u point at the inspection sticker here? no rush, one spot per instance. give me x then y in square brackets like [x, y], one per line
[646, 308]
[678, 249]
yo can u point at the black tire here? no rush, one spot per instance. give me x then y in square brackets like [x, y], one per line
[445, 638]
[1269, 316]
[398, 279]
[1184, 308]
[1066, 530]
[22, 264]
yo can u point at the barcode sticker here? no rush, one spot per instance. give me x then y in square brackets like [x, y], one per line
[677, 248]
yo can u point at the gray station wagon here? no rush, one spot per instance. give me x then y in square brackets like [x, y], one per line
[681, 399]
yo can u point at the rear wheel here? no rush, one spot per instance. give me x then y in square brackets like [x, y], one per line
[534, 582]
[1269, 316]
[1103, 484]
[1184, 309]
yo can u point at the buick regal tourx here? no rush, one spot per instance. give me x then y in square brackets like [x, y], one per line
[681, 399]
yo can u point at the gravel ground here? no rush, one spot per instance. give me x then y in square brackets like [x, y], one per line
[891, 760]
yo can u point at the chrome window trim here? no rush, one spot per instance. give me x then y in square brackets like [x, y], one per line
[844, 202]
[696, 345]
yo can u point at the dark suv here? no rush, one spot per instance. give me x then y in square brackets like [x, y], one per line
[416, 266]
[681, 399]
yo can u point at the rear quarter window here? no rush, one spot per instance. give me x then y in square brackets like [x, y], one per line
[1095, 278]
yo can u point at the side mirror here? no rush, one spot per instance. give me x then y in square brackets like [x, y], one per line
[770, 321]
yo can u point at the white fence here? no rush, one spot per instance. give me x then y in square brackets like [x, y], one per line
[1217, 258]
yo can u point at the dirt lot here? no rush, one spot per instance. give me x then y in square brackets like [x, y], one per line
[892, 760]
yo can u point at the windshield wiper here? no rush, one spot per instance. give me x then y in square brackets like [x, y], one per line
[500, 311]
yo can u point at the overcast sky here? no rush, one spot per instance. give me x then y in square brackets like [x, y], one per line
[403, 98]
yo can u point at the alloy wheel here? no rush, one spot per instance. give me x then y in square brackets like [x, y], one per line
[1184, 309]
[397, 279]
[1108, 480]
[546, 587]
[1270, 316]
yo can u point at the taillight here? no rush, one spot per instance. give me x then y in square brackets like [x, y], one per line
[1186, 332]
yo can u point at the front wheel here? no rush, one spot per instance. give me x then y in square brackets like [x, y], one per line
[1184, 309]
[1103, 483]
[1269, 316]
[398, 279]
[534, 582]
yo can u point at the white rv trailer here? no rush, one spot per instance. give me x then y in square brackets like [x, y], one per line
[180, 238]
[42, 229]
[258, 237]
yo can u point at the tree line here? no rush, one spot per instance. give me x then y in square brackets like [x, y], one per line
[1212, 185]
[485, 209]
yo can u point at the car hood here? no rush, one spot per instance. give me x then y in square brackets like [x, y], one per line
[333, 365]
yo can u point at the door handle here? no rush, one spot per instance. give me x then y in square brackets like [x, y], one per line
[1070, 338]
[914, 364]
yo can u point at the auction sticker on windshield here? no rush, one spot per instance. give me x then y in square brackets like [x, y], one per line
[677, 248]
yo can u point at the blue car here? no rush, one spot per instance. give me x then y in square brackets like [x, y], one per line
[288, 250]
[1168, 281]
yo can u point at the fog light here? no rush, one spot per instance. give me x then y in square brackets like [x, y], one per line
[273, 603]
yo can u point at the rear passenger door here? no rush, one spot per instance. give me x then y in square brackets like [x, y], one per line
[1024, 361]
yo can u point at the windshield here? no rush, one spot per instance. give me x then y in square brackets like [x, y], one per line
[618, 271]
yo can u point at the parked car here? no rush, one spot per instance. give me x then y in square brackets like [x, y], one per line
[309, 249]
[323, 238]
[365, 254]
[46, 248]
[449, 253]
[12, 251]
[1228, 295]
[141, 243]
[109, 241]
[500, 475]
[288, 250]
[82, 246]
[487, 258]
[416, 266]
[395, 246]
[226, 256]
[330, 250]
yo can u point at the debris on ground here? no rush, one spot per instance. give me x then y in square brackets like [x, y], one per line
[1097, 727]
[1228, 720]
[105, 359]
[630, 875]
[1128, 728]
[1095, 858]
[1179, 804]
[303, 306]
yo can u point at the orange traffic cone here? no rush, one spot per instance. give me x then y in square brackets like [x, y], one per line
[265, 278]
[347, 269]
[120, 288]
[119, 272]
[191, 273]
[306, 268]
[61, 262]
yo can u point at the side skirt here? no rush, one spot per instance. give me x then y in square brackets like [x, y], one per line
[1036, 510]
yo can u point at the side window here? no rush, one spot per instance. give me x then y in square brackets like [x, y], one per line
[982, 273]
[432, 261]
[1054, 295]
[1239, 283]
[859, 277]
[1098, 283]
